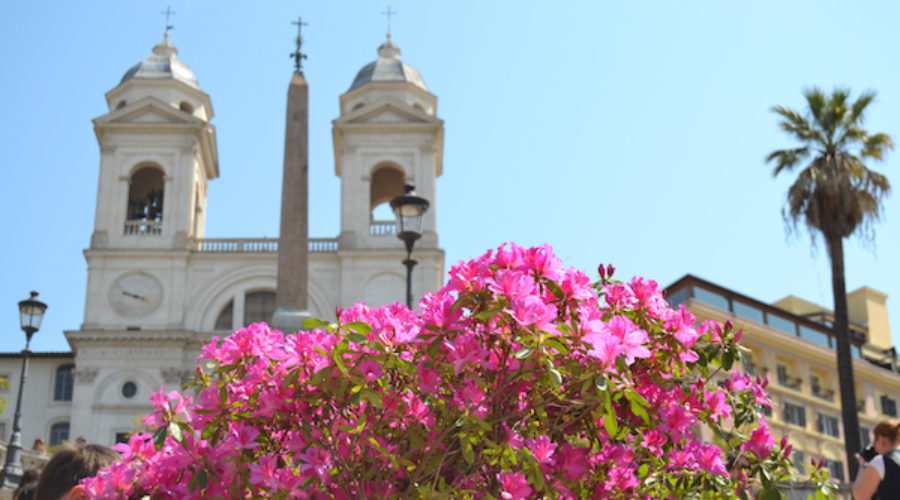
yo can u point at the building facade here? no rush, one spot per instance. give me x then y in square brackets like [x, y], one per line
[158, 288]
[792, 343]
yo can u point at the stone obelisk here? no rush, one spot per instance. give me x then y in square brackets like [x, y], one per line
[292, 294]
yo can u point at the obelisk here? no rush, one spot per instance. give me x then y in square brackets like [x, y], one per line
[291, 297]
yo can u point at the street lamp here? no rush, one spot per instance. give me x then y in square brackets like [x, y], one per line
[31, 312]
[410, 211]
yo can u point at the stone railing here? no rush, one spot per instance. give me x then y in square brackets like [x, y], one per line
[143, 227]
[30, 459]
[382, 227]
[323, 245]
[258, 245]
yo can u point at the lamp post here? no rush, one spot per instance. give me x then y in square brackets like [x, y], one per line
[31, 312]
[410, 211]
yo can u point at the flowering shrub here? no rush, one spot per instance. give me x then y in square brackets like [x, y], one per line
[518, 379]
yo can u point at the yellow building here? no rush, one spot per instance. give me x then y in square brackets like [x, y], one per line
[791, 342]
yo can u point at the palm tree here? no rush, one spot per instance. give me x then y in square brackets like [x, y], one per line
[836, 195]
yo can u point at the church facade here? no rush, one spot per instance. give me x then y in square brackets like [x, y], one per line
[158, 288]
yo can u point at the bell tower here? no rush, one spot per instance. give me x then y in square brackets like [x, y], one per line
[157, 154]
[388, 134]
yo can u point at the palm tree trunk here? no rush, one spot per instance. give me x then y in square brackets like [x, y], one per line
[849, 414]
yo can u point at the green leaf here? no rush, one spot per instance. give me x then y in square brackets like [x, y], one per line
[643, 470]
[728, 359]
[373, 397]
[467, 451]
[560, 348]
[556, 377]
[312, 323]
[175, 431]
[359, 327]
[524, 353]
[356, 337]
[609, 422]
[159, 436]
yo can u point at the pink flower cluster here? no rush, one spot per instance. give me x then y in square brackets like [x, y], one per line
[518, 379]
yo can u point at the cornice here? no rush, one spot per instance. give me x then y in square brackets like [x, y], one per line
[131, 336]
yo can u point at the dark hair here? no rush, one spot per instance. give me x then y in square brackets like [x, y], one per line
[25, 491]
[889, 428]
[69, 466]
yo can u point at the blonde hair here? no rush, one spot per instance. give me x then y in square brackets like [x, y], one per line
[889, 428]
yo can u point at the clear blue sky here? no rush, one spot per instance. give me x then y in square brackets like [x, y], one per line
[623, 132]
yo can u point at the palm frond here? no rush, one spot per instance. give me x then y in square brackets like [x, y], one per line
[874, 146]
[797, 125]
[816, 101]
[857, 112]
[787, 159]
[851, 134]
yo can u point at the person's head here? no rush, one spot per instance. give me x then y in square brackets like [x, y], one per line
[61, 477]
[25, 491]
[887, 435]
[38, 444]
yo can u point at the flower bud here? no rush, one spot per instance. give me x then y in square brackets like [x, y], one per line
[602, 271]
[610, 269]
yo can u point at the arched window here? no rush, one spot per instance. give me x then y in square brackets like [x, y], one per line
[387, 184]
[225, 319]
[59, 433]
[145, 202]
[64, 383]
[258, 306]
[120, 105]
[186, 107]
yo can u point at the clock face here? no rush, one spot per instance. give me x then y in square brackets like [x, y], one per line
[135, 295]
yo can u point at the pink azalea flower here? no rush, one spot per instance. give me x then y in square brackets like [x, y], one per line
[244, 436]
[718, 405]
[371, 370]
[542, 449]
[514, 486]
[573, 462]
[761, 440]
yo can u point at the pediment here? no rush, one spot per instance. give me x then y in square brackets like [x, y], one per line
[387, 111]
[148, 110]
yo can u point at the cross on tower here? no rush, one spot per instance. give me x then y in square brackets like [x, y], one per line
[388, 14]
[298, 56]
[168, 12]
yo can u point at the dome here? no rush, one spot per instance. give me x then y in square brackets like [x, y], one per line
[388, 68]
[163, 63]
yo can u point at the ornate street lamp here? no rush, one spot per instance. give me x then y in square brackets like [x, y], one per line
[410, 211]
[31, 312]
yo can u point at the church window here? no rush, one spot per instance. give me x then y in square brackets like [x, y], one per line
[186, 107]
[145, 202]
[120, 105]
[225, 319]
[59, 433]
[259, 306]
[129, 390]
[386, 184]
[64, 383]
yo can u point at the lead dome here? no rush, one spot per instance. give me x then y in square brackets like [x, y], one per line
[388, 68]
[163, 63]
